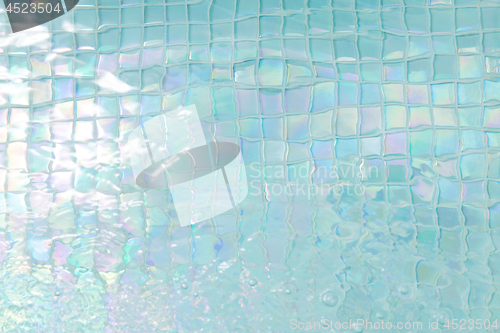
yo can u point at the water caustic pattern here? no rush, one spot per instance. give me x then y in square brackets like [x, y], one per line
[370, 133]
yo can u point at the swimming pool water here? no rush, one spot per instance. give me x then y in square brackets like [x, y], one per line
[370, 133]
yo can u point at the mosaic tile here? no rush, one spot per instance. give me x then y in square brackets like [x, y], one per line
[370, 134]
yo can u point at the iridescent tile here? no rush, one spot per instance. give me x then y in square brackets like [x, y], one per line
[322, 149]
[442, 20]
[86, 108]
[397, 170]
[490, 91]
[319, 22]
[321, 124]
[469, 44]
[419, 116]
[470, 66]
[392, 19]
[419, 46]
[373, 170]
[371, 120]
[370, 93]
[371, 146]
[348, 72]
[272, 128]
[445, 67]
[271, 101]
[346, 148]
[245, 72]
[346, 122]
[371, 71]
[274, 151]
[16, 155]
[417, 94]
[447, 168]
[323, 96]
[269, 26]
[271, 72]
[221, 52]
[489, 17]
[469, 93]
[294, 25]
[247, 102]
[473, 139]
[297, 127]
[443, 44]
[250, 128]
[473, 192]
[447, 142]
[344, 21]
[297, 152]
[270, 48]
[42, 91]
[417, 20]
[62, 42]
[154, 36]
[62, 111]
[297, 71]
[106, 128]
[129, 59]
[419, 70]
[39, 132]
[176, 34]
[39, 67]
[445, 117]
[474, 216]
[61, 181]
[108, 17]
[295, 48]
[152, 56]
[199, 53]
[85, 42]
[469, 116]
[394, 71]
[467, 19]
[63, 88]
[85, 65]
[176, 54]
[324, 70]
[491, 42]
[369, 47]
[222, 73]
[245, 50]
[443, 93]
[19, 94]
[449, 191]
[321, 49]
[491, 118]
[392, 49]
[198, 74]
[108, 63]
[345, 49]
[395, 144]
[395, 116]
[393, 92]
[84, 130]
[347, 93]
[423, 191]
[398, 195]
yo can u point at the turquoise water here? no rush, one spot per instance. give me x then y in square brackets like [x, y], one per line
[370, 133]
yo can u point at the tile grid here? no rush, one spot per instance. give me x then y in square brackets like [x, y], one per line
[358, 135]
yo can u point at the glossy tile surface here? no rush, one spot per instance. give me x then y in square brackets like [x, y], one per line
[371, 136]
